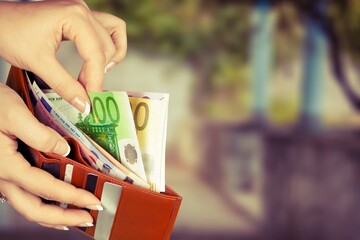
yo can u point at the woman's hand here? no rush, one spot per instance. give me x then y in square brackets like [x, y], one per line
[22, 184]
[31, 33]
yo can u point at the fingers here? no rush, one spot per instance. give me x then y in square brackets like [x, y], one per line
[116, 28]
[47, 215]
[108, 50]
[59, 227]
[22, 183]
[43, 184]
[90, 48]
[63, 83]
[101, 42]
[38, 136]
[17, 120]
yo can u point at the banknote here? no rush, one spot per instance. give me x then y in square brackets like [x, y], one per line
[48, 114]
[110, 124]
[150, 111]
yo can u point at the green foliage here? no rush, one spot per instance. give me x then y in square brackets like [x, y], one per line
[214, 36]
[185, 28]
[345, 16]
[211, 35]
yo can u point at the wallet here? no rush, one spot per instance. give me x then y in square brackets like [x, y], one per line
[130, 212]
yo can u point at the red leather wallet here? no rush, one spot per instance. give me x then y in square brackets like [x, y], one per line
[140, 213]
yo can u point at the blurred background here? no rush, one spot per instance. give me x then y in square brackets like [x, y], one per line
[263, 130]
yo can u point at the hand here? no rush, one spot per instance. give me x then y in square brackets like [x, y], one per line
[31, 33]
[22, 184]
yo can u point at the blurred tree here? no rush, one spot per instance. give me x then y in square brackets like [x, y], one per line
[212, 36]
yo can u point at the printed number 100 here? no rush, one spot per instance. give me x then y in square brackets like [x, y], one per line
[141, 115]
[103, 111]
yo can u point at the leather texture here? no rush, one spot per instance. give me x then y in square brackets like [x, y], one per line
[141, 213]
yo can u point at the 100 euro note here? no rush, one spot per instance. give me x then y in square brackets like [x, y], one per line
[48, 115]
[150, 112]
[110, 125]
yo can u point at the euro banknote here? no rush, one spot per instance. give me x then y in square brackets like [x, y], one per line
[48, 114]
[150, 111]
[110, 125]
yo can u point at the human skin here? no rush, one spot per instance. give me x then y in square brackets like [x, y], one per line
[31, 33]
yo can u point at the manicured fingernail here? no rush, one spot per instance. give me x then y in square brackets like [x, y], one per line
[95, 207]
[86, 225]
[68, 151]
[82, 105]
[109, 67]
[61, 147]
[64, 228]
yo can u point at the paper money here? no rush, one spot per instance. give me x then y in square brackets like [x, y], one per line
[47, 114]
[150, 111]
[110, 124]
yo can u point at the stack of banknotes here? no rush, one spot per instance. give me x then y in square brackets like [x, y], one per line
[124, 135]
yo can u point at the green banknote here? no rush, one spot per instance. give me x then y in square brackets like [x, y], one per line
[110, 124]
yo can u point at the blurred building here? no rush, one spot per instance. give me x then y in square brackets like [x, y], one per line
[263, 125]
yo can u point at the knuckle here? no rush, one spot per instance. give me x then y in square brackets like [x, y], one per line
[21, 166]
[122, 55]
[12, 113]
[110, 52]
[50, 192]
[122, 23]
[31, 216]
[78, 9]
[47, 142]
[62, 87]
[100, 57]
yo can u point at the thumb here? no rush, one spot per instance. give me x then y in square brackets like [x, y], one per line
[16, 120]
[37, 136]
[54, 74]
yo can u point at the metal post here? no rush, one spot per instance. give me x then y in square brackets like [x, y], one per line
[314, 59]
[261, 55]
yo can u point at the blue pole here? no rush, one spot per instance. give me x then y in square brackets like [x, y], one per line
[314, 59]
[261, 54]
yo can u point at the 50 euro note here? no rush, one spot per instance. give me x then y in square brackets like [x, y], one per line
[109, 127]
[49, 115]
[150, 111]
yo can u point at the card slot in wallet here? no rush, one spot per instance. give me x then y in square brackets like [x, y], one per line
[136, 213]
[161, 208]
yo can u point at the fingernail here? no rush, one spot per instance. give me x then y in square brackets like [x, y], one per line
[109, 67]
[82, 105]
[95, 207]
[86, 225]
[64, 228]
[60, 148]
[68, 151]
